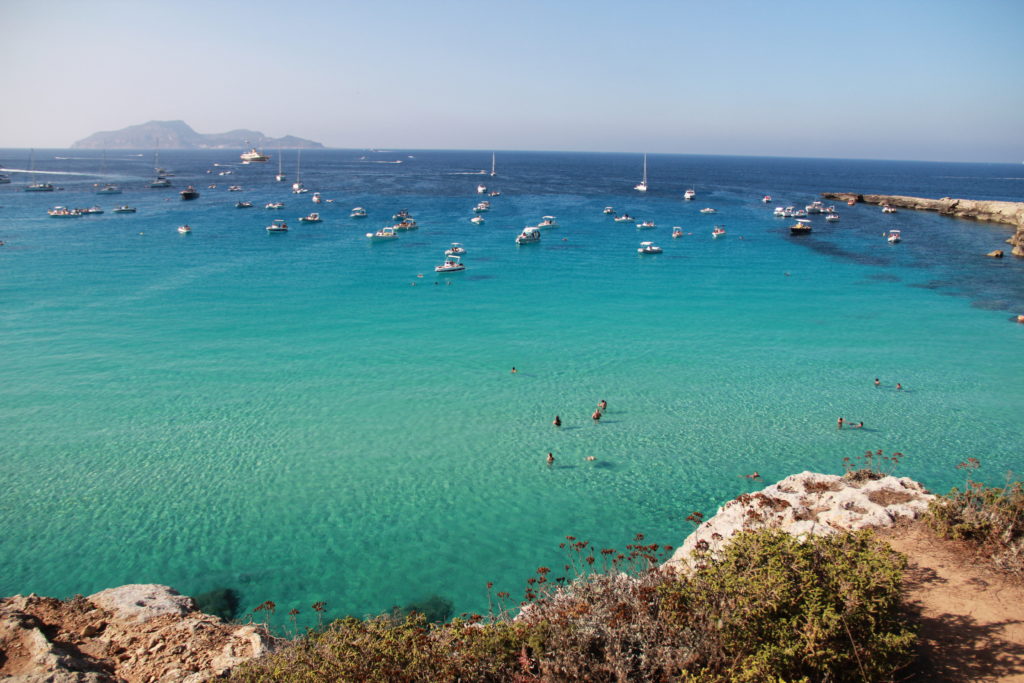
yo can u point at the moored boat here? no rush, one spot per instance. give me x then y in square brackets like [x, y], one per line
[642, 185]
[383, 235]
[63, 212]
[894, 236]
[529, 235]
[677, 231]
[358, 212]
[648, 248]
[801, 227]
[451, 264]
[708, 210]
[189, 192]
[645, 225]
[124, 208]
[832, 217]
[719, 231]
[609, 211]
[253, 156]
[767, 199]
[243, 205]
[311, 218]
[278, 225]
[407, 224]
[274, 205]
[185, 229]
[455, 250]
[548, 222]
[690, 194]
[477, 220]
[887, 209]
[624, 218]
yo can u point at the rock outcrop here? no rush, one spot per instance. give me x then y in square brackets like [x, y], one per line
[132, 633]
[810, 503]
[1011, 213]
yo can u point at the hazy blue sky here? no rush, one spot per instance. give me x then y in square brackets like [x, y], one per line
[883, 79]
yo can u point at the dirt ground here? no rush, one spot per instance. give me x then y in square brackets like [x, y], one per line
[971, 617]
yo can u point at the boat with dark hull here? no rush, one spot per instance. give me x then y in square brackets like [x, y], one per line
[189, 192]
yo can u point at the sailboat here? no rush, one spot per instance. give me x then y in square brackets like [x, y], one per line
[34, 186]
[106, 188]
[280, 177]
[160, 180]
[642, 187]
[492, 165]
[297, 186]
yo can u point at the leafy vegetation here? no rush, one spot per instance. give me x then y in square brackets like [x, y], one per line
[767, 608]
[988, 516]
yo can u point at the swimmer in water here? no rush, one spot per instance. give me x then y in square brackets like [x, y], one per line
[596, 417]
[899, 387]
[590, 458]
[514, 371]
[839, 423]
[603, 405]
[557, 422]
[755, 475]
[877, 382]
[551, 459]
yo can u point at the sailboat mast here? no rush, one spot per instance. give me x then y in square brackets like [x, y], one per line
[492, 165]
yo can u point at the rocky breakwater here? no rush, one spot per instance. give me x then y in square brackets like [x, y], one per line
[810, 503]
[132, 633]
[1010, 213]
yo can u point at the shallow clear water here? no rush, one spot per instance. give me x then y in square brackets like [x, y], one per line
[300, 417]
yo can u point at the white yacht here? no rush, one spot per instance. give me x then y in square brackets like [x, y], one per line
[124, 208]
[689, 194]
[311, 218]
[109, 188]
[451, 264]
[252, 156]
[894, 236]
[648, 248]
[297, 186]
[529, 235]
[383, 235]
[642, 185]
[278, 225]
[481, 189]
[280, 177]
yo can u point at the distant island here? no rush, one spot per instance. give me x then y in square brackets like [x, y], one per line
[179, 135]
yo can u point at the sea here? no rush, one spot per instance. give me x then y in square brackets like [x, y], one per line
[310, 416]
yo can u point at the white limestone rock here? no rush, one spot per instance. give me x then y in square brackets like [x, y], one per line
[141, 602]
[810, 503]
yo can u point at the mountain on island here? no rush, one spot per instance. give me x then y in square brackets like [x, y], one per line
[179, 135]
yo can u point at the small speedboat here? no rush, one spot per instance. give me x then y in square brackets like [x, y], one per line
[455, 250]
[482, 206]
[278, 225]
[779, 212]
[91, 211]
[358, 212]
[894, 236]
[311, 218]
[407, 224]
[450, 265]
[234, 188]
[124, 208]
[189, 192]
[887, 209]
[160, 181]
[815, 207]
[39, 187]
[677, 232]
[529, 235]
[624, 218]
[851, 202]
[547, 222]
[648, 248]
[646, 225]
[493, 194]
[800, 213]
[481, 189]
[274, 205]
[184, 229]
[767, 199]
[832, 217]
[708, 210]
[316, 198]
[109, 188]
[477, 219]
[243, 205]
[717, 232]
[383, 235]
[401, 215]
[609, 211]
[689, 194]
[801, 227]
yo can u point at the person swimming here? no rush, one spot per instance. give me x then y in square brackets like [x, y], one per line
[603, 404]
[551, 459]
[596, 417]
[557, 421]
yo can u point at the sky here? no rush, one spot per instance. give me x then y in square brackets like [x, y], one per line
[880, 79]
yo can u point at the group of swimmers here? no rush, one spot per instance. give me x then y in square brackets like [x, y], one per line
[602, 405]
[878, 383]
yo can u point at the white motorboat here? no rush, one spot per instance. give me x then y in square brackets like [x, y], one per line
[648, 248]
[278, 225]
[547, 222]
[894, 236]
[311, 218]
[677, 231]
[63, 212]
[815, 207]
[799, 213]
[274, 205]
[407, 224]
[609, 211]
[91, 211]
[450, 265]
[642, 185]
[184, 229]
[767, 199]
[234, 188]
[358, 212]
[243, 205]
[455, 250]
[887, 209]
[494, 194]
[832, 217]
[383, 235]
[109, 188]
[482, 206]
[645, 225]
[477, 220]
[316, 198]
[35, 186]
[624, 218]
[481, 189]
[401, 215]
[124, 208]
[689, 194]
[780, 212]
[717, 232]
[708, 210]
[529, 235]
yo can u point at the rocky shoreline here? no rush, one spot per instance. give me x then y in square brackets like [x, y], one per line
[1009, 213]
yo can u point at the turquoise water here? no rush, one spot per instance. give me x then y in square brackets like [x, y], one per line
[300, 417]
